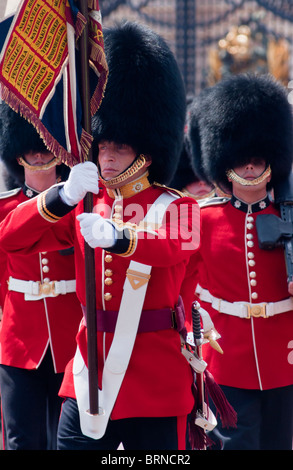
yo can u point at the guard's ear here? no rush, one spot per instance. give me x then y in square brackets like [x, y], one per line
[148, 160]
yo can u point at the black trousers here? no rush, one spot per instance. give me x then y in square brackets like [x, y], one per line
[30, 406]
[265, 420]
[134, 433]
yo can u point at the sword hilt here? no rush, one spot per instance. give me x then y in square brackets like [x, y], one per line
[197, 333]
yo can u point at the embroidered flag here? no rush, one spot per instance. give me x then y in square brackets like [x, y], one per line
[38, 72]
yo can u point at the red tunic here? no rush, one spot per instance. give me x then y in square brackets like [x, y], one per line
[158, 379]
[30, 327]
[257, 351]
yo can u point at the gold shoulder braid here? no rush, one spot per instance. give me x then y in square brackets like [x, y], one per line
[180, 193]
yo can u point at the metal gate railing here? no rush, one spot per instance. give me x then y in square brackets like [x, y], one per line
[212, 38]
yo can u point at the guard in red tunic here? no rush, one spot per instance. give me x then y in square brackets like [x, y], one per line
[247, 148]
[143, 234]
[41, 312]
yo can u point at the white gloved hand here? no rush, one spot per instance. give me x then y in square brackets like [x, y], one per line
[97, 231]
[83, 178]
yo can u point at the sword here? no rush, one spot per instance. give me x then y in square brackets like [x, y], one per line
[198, 341]
[204, 416]
[203, 419]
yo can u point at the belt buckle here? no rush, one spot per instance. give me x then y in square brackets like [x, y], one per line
[47, 288]
[257, 310]
[173, 318]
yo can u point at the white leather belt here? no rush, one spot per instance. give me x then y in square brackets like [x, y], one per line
[245, 309]
[35, 290]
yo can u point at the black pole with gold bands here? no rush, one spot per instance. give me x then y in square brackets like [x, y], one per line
[90, 277]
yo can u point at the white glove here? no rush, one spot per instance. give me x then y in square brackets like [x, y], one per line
[97, 231]
[83, 178]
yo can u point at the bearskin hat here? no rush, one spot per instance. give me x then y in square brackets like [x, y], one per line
[190, 168]
[184, 174]
[144, 102]
[17, 137]
[246, 116]
[193, 137]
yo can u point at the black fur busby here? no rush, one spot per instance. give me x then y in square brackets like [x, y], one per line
[144, 102]
[193, 136]
[184, 174]
[246, 116]
[190, 168]
[17, 137]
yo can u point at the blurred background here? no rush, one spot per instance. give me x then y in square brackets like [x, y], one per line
[214, 38]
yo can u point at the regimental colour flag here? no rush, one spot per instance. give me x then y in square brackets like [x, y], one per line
[39, 76]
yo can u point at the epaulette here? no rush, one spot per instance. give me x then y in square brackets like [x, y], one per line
[11, 192]
[176, 191]
[215, 201]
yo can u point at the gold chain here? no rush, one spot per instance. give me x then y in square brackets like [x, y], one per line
[46, 166]
[231, 174]
[132, 170]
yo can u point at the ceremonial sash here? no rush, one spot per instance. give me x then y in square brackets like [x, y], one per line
[117, 361]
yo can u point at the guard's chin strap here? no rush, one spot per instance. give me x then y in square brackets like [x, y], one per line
[233, 176]
[138, 163]
[46, 166]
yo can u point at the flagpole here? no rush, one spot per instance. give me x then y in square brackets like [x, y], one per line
[90, 278]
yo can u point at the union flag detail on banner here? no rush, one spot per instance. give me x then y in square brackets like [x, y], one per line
[38, 71]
